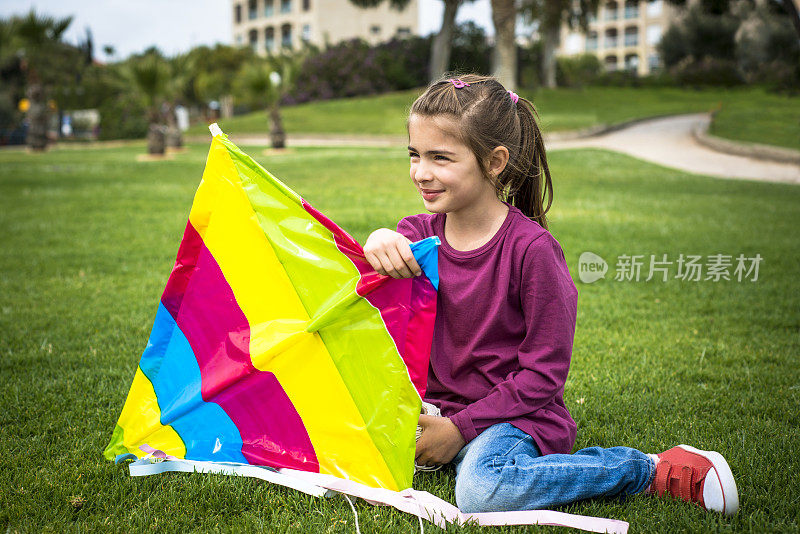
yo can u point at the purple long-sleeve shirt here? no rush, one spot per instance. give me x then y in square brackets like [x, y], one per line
[505, 324]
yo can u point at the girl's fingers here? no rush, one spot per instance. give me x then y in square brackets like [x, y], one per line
[408, 258]
[374, 262]
[391, 255]
[399, 267]
[386, 263]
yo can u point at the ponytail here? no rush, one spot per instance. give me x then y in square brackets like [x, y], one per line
[524, 183]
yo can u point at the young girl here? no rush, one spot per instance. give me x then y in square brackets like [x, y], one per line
[505, 319]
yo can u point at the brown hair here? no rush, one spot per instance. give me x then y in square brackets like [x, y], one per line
[488, 118]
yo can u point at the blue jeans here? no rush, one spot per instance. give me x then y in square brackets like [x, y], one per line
[502, 470]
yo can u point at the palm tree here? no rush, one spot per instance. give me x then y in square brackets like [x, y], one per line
[177, 85]
[149, 74]
[37, 42]
[265, 82]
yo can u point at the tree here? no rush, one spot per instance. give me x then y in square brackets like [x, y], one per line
[504, 17]
[717, 42]
[12, 90]
[37, 43]
[213, 71]
[441, 46]
[149, 74]
[719, 7]
[791, 9]
[177, 87]
[265, 82]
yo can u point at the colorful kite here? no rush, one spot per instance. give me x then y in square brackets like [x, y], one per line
[275, 343]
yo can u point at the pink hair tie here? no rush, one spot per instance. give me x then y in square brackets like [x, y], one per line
[458, 84]
[514, 96]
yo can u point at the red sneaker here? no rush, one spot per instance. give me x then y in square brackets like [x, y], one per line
[703, 477]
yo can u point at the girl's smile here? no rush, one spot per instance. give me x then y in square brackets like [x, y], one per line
[431, 194]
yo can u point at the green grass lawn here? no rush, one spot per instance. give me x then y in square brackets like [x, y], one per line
[746, 114]
[89, 238]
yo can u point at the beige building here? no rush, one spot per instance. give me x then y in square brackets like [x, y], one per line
[623, 34]
[271, 25]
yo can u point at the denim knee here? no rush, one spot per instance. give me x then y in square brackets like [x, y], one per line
[477, 487]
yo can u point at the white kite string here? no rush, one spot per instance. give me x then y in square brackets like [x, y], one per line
[358, 530]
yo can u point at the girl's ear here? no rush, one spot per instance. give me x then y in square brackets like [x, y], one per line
[498, 159]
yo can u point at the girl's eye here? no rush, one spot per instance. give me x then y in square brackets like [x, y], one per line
[441, 158]
[413, 155]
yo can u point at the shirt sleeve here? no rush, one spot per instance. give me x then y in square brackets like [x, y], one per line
[549, 305]
[407, 228]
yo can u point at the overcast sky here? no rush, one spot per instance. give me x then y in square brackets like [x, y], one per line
[178, 25]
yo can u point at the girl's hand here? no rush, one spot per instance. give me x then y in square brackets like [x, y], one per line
[389, 253]
[440, 441]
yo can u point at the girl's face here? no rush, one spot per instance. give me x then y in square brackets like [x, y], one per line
[444, 169]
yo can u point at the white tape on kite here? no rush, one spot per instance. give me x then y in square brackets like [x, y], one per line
[146, 467]
[214, 129]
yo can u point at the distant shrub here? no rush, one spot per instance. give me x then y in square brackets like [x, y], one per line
[123, 117]
[577, 71]
[779, 76]
[620, 78]
[659, 78]
[707, 71]
[349, 68]
[529, 65]
[404, 62]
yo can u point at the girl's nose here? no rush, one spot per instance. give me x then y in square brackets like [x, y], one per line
[422, 173]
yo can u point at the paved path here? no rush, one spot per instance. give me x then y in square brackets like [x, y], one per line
[669, 141]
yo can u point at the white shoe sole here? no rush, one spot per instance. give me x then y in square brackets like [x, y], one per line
[728, 501]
